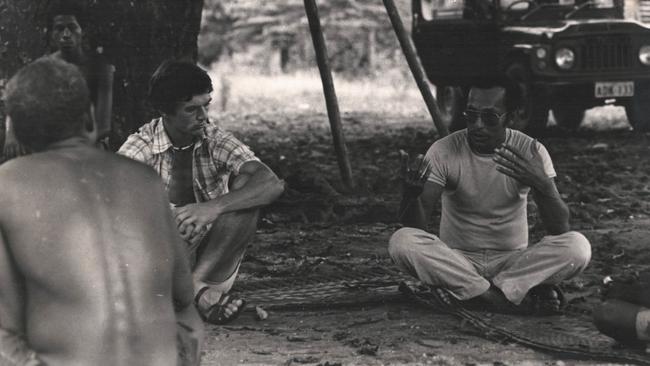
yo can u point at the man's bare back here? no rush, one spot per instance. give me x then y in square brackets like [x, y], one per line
[98, 261]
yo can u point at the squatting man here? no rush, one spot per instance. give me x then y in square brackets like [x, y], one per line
[214, 182]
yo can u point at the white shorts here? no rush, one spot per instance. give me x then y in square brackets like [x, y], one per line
[643, 324]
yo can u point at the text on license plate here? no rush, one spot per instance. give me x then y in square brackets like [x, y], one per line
[614, 89]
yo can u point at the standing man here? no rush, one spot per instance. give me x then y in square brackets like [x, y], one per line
[214, 182]
[91, 271]
[483, 175]
[65, 19]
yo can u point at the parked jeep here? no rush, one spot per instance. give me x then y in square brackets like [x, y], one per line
[566, 55]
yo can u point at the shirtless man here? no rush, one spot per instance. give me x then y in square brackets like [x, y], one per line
[483, 175]
[215, 183]
[91, 267]
[64, 25]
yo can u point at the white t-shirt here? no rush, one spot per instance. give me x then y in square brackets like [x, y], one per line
[481, 207]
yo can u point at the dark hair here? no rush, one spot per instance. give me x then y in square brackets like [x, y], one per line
[66, 7]
[174, 82]
[514, 93]
[47, 101]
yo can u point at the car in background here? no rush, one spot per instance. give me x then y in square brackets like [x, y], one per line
[566, 56]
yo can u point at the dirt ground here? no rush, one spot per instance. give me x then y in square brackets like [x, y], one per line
[320, 227]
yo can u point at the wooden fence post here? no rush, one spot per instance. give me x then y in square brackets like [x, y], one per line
[330, 94]
[415, 66]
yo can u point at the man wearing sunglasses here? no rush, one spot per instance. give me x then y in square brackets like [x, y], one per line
[482, 175]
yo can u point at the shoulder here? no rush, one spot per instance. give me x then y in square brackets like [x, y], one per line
[518, 137]
[147, 132]
[214, 132]
[450, 144]
[54, 55]
[221, 137]
[10, 174]
[128, 173]
[135, 167]
[23, 179]
[23, 176]
[24, 166]
[523, 142]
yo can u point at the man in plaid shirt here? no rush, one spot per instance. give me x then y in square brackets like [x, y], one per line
[214, 182]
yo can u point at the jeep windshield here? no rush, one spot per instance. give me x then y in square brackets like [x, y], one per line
[535, 10]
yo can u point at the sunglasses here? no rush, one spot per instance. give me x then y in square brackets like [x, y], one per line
[488, 117]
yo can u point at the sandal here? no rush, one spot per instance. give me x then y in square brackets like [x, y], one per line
[541, 300]
[216, 313]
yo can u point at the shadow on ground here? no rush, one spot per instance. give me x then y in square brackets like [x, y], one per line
[318, 227]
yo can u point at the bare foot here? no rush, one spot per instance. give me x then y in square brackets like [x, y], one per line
[217, 307]
[233, 307]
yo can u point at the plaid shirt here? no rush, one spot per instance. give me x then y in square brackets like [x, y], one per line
[215, 157]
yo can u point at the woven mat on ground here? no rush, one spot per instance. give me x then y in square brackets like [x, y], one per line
[570, 335]
[336, 289]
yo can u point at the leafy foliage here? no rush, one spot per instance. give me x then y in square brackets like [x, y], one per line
[134, 35]
[358, 32]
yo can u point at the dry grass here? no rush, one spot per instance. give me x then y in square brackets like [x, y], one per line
[391, 94]
[301, 92]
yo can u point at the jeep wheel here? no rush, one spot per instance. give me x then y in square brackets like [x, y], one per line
[638, 110]
[532, 116]
[568, 116]
[451, 102]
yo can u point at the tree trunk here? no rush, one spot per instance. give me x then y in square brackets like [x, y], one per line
[20, 40]
[284, 57]
[371, 49]
[135, 36]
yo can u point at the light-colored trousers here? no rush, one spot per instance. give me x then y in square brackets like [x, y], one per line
[467, 274]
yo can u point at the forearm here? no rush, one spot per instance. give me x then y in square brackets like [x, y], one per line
[416, 211]
[103, 115]
[15, 351]
[104, 106]
[259, 190]
[412, 213]
[552, 209]
[10, 134]
[12, 147]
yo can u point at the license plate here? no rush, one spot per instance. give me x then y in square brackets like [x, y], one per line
[614, 89]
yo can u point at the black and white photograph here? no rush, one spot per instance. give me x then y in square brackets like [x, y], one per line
[324, 182]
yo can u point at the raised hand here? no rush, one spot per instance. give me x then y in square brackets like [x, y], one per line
[527, 170]
[413, 174]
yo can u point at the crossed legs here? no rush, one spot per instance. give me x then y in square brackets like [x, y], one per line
[470, 274]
